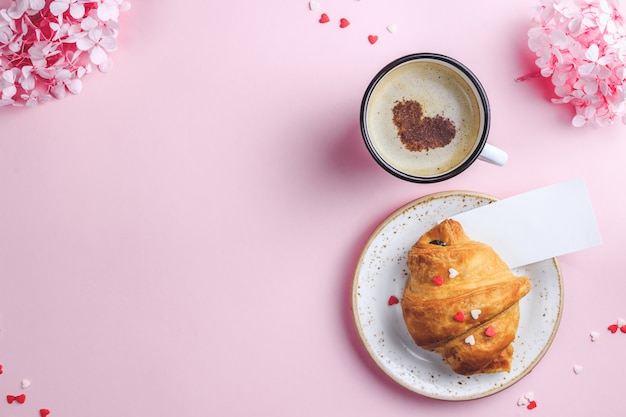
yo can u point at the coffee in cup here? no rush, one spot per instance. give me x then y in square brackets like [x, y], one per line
[425, 118]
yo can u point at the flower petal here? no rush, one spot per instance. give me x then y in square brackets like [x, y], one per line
[58, 7]
[97, 55]
[84, 44]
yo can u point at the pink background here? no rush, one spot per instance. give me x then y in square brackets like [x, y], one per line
[180, 238]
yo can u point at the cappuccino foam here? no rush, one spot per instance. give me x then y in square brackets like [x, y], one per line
[441, 90]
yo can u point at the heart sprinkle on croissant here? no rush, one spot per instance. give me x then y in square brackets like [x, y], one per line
[438, 280]
[475, 313]
[453, 272]
[459, 316]
[490, 332]
[470, 340]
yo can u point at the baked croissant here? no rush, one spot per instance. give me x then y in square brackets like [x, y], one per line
[462, 300]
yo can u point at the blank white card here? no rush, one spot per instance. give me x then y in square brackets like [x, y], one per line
[536, 225]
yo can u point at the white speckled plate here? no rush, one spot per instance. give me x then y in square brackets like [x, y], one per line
[381, 272]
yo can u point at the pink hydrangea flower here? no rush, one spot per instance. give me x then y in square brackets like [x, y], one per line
[581, 46]
[47, 46]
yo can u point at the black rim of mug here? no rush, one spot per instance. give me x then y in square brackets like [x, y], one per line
[483, 101]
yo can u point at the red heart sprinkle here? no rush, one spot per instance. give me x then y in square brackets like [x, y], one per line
[438, 280]
[0, 369]
[613, 328]
[44, 412]
[372, 39]
[324, 18]
[459, 316]
[393, 300]
[623, 329]
[531, 405]
[343, 23]
[490, 332]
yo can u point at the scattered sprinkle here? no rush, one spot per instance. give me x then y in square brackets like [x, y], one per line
[530, 396]
[1, 369]
[470, 340]
[392, 28]
[18, 398]
[438, 280]
[393, 300]
[372, 39]
[490, 332]
[25, 383]
[578, 369]
[44, 412]
[594, 336]
[531, 405]
[623, 329]
[459, 316]
[522, 401]
[344, 23]
[453, 272]
[324, 18]
[620, 322]
[313, 5]
[475, 313]
[613, 328]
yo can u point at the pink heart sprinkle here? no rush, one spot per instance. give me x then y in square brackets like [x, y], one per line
[343, 23]
[490, 332]
[438, 280]
[372, 39]
[324, 18]
[459, 316]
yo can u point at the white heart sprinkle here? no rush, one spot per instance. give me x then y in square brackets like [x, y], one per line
[475, 313]
[453, 272]
[313, 5]
[25, 383]
[392, 28]
[620, 322]
[530, 396]
[578, 369]
[522, 401]
[594, 336]
[470, 340]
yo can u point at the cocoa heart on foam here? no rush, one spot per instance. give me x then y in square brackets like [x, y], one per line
[419, 133]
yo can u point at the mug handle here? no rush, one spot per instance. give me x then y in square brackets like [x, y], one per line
[493, 155]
